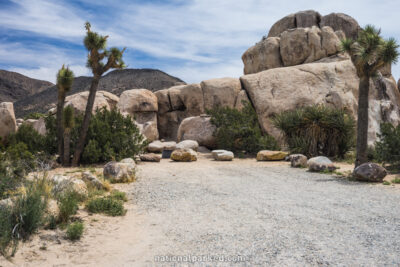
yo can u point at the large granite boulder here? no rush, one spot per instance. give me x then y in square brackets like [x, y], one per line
[198, 128]
[142, 105]
[301, 19]
[343, 22]
[103, 100]
[263, 56]
[369, 172]
[158, 146]
[175, 104]
[220, 92]
[8, 124]
[188, 144]
[333, 84]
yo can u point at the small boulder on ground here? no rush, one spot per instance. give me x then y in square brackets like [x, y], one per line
[150, 157]
[270, 155]
[92, 180]
[321, 163]
[158, 146]
[64, 184]
[188, 144]
[184, 155]
[120, 172]
[222, 155]
[298, 160]
[369, 172]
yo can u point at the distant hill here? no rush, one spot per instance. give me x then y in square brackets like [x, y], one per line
[15, 86]
[115, 82]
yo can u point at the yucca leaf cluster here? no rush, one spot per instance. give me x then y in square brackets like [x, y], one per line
[317, 130]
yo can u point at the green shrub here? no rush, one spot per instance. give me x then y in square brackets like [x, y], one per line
[396, 181]
[317, 130]
[17, 160]
[111, 136]
[29, 136]
[239, 131]
[75, 231]
[386, 183]
[23, 218]
[106, 205]
[68, 205]
[388, 147]
[35, 116]
[119, 195]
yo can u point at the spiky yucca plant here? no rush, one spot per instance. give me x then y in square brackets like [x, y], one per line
[100, 60]
[65, 78]
[369, 53]
[69, 124]
[317, 130]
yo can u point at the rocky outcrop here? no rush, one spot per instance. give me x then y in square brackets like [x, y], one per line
[334, 84]
[301, 19]
[8, 124]
[180, 102]
[65, 184]
[221, 92]
[103, 100]
[342, 22]
[176, 104]
[142, 106]
[198, 128]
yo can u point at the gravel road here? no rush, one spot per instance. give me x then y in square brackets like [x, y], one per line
[268, 213]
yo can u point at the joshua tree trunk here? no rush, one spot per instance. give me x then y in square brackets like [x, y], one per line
[67, 141]
[362, 121]
[60, 128]
[86, 120]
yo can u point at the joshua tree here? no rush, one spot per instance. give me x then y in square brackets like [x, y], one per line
[68, 124]
[100, 60]
[369, 53]
[65, 78]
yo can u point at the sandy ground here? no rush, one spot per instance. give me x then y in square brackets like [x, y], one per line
[254, 213]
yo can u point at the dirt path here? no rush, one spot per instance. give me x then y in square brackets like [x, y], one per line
[246, 211]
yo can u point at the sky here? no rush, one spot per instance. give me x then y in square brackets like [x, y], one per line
[194, 40]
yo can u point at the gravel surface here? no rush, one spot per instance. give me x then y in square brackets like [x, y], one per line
[268, 213]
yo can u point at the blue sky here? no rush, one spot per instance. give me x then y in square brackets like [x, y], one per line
[193, 39]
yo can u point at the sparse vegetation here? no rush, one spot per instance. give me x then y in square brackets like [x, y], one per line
[115, 194]
[396, 180]
[75, 231]
[317, 130]
[68, 205]
[388, 147]
[386, 183]
[107, 205]
[239, 131]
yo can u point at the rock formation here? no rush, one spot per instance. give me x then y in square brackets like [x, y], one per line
[142, 106]
[103, 100]
[8, 124]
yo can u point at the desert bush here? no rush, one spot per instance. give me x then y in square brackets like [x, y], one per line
[387, 147]
[23, 218]
[17, 160]
[111, 136]
[118, 195]
[75, 231]
[68, 206]
[29, 136]
[239, 130]
[317, 130]
[35, 116]
[107, 205]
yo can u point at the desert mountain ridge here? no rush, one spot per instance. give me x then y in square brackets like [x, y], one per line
[33, 95]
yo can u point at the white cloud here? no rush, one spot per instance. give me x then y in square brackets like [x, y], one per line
[206, 37]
